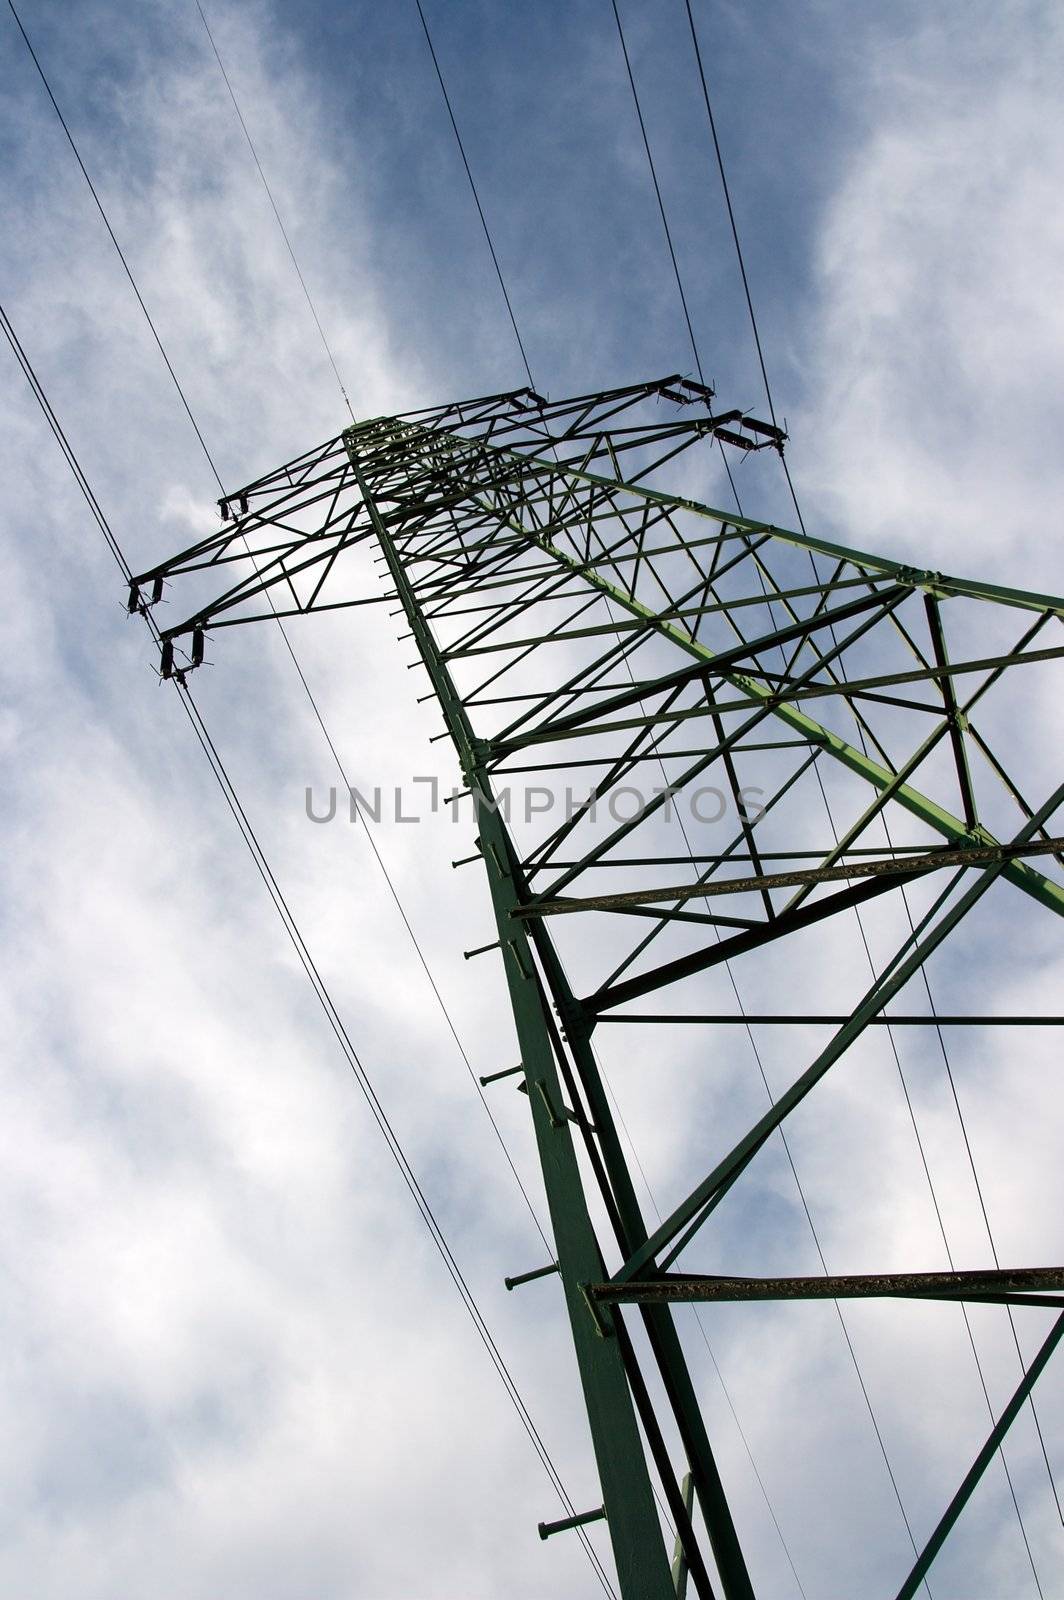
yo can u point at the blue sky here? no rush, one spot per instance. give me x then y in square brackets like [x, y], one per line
[232, 1363]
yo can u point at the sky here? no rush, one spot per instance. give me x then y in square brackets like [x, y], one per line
[231, 1359]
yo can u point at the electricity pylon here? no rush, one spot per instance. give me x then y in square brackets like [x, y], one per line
[575, 616]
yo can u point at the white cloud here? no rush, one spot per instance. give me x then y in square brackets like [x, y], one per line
[934, 361]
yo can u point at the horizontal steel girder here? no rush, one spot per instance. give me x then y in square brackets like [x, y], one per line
[1019, 1285]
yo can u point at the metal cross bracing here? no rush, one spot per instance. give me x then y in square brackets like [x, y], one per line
[693, 743]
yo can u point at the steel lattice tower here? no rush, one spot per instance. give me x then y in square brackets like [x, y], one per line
[576, 617]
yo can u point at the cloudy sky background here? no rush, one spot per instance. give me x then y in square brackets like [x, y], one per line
[232, 1362]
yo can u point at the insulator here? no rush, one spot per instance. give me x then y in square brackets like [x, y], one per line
[168, 658]
[723, 420]
[197, 646]
[243, 505]
[734, 438]
[157, 590]
[134, 598]
[223, 507]
[537, 399]
[675, 395]
[702, 389]
[769, 429]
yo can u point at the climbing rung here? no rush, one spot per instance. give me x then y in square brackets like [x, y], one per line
[507, 1072]
[529, 1277]
[547, 1528]
[481, 949]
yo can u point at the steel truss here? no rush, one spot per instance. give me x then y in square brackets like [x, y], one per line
[576, 616]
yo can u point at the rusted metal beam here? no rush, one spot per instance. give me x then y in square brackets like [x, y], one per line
[1006, 1283]
[973, 855]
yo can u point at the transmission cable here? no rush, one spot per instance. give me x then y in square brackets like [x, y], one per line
[321, 720]
[805, 1207]
[114, 241]
[739, 254]
[193, 713]
[941, 1040]
[276, 212]
[698, 364]
[269, 598]
[509, 308]
[668, 240]
[260, 858]
[937, 1207]
[982, 1204]
[808, 1216]
[657, 192]
[476, 196]
[306, 960]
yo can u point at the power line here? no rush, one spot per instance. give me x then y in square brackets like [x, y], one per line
[739, 254]
[942, 1043]
[934, 1193]
[657, 192]
[698, 364]
[506, 297]
[101, 521]
[393, 891]
[306, 960]
[476, 196]
[317, 712]
[276, 212]
[727, 468]
[668, 240]
[280, 625]
[198, 726]
[114, 241]
[986, 1218]
[513, 321]
[694, 346]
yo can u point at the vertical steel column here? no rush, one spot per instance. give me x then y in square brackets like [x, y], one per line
[661, 1330]
[632, 1518]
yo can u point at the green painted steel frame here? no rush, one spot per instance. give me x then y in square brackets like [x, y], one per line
[454, 496]
[628, 1498]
